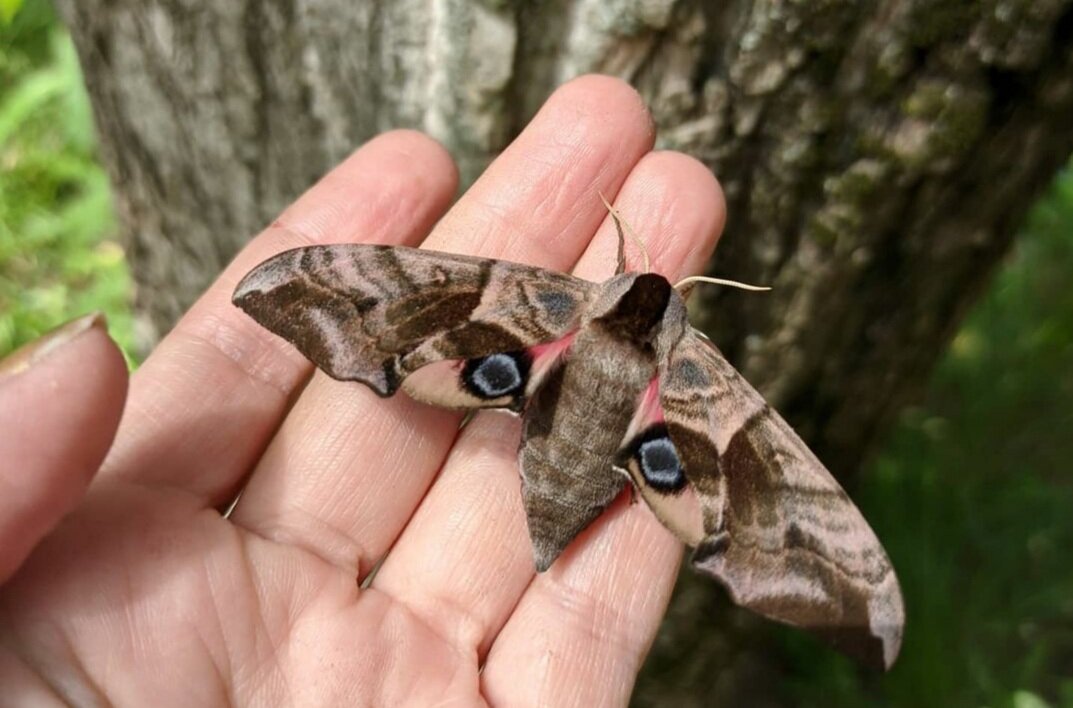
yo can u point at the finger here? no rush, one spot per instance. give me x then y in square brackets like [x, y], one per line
[206, 402]
[465, 558]
[584, 626]
[61, 398]
[587, 623]
[347, 469]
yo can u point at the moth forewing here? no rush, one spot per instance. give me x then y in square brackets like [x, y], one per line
[377, 314]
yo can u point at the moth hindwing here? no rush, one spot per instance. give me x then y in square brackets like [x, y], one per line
[613, 385]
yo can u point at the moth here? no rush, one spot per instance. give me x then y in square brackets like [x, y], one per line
[614, 387]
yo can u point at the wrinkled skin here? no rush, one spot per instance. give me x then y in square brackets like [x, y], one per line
[126, 584]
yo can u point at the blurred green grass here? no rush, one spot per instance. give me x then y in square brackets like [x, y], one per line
[58, 256]
[972, 495]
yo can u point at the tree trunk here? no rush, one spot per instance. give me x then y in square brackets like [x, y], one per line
[877, 158]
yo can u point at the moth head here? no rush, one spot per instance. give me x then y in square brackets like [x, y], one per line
[640, 306]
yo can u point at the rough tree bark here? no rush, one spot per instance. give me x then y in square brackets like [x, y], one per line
[877, 157]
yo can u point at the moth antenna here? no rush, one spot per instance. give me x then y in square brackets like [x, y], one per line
[619, 224]
[620, 266]
[685, 285]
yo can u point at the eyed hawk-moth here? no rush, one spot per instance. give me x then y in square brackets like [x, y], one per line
[614, 386]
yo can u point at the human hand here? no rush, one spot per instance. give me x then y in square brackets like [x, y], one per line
[139, 591]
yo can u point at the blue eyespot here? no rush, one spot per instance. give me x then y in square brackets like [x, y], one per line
[496, 375]
[658, 460]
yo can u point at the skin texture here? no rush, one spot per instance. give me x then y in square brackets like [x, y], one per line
[144, 594]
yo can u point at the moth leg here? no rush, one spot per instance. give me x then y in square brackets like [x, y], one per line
[713, 545]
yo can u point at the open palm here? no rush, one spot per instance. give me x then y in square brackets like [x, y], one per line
[140, 591]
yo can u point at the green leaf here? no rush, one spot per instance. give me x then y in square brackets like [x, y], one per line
[1027, 699]
[30, 95]
[8, 9]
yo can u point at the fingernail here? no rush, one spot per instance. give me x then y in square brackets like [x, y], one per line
[31, 353]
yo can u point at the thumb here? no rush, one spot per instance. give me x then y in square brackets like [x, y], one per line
[61, 397]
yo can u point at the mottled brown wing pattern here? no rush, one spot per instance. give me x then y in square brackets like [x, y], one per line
[608, 376]
[777, 529]
[376, 314]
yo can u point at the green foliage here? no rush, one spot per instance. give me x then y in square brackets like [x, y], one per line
[57, 258]
[973, 499]
[8, 10]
